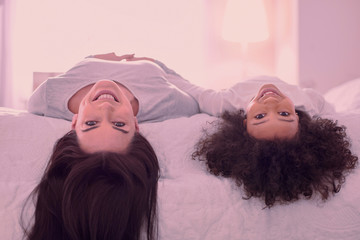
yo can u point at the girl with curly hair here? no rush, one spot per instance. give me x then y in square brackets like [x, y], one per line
[315, 160]
[276, 150]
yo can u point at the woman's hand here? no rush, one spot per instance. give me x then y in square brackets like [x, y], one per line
[127, 57]
[140, 58]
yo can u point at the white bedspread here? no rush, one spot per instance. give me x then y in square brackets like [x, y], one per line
[193, 204]
[197, 205]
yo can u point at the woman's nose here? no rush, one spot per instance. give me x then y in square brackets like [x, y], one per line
[106, 106]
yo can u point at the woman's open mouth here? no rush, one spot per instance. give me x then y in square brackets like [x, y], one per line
[105, 95]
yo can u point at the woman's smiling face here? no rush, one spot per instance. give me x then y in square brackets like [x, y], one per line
[105, 121]
[271, 114]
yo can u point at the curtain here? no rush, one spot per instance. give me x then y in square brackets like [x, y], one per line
[5, 67]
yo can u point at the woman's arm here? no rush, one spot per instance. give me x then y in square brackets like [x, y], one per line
[112, 56]
[210, 101]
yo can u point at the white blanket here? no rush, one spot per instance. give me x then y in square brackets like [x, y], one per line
[193, 204]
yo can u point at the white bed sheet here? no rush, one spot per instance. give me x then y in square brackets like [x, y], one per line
[193, 204]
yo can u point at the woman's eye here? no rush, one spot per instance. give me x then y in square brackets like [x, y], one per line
[260, 116]
[119, 124]
[91, 123]
[284, 114]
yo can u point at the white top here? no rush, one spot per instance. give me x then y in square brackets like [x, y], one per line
[239, 96]
[158, 98]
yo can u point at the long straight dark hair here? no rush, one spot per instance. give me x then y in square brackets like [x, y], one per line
[96, 196]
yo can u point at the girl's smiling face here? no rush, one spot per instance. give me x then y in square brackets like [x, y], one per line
[271, 114]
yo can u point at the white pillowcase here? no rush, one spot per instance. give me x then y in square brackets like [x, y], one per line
[345, 97]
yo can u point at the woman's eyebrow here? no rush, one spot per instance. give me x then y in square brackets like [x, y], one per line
[89, 129]
[119, 129]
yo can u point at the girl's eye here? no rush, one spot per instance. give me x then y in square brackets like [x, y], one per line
[91, 123]
[260, 116]
[284, 114]
[119, 124]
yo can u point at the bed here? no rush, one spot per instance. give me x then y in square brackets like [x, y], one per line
[193, 204]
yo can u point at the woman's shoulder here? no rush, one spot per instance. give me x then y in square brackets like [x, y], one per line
[96, 64]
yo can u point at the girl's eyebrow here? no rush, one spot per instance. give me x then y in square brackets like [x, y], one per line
[258, 123]
[286, 120]
[280, 119]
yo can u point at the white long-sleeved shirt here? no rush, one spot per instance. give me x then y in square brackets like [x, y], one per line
[238, 96]
[158, 98]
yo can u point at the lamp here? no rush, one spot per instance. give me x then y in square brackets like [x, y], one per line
[245, 21]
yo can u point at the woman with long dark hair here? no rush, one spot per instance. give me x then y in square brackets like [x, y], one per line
[101, 180]
[105, 96]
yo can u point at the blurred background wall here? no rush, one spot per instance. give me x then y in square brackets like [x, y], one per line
[310, 43]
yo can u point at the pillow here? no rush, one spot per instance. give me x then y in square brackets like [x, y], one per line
[345, 97]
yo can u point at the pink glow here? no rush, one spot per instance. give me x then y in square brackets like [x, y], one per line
[51, 36]
[245, 21]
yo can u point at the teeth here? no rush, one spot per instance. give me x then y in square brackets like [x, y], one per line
[269, 92]
[106, 96]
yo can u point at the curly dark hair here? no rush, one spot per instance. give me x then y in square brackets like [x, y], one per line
[316, 161]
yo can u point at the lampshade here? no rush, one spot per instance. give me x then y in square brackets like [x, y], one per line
[245, 21]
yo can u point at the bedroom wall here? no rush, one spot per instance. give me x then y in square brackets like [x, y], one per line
[304, 47]
[225, 60]
[5, 73]
[186, 36]
[58, 34]
[313, 44]
[328, 42]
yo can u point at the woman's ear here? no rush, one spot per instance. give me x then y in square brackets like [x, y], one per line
[136, 125]
[73, 121]
[244, 123]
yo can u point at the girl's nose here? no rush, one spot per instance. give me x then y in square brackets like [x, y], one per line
[271, 101]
